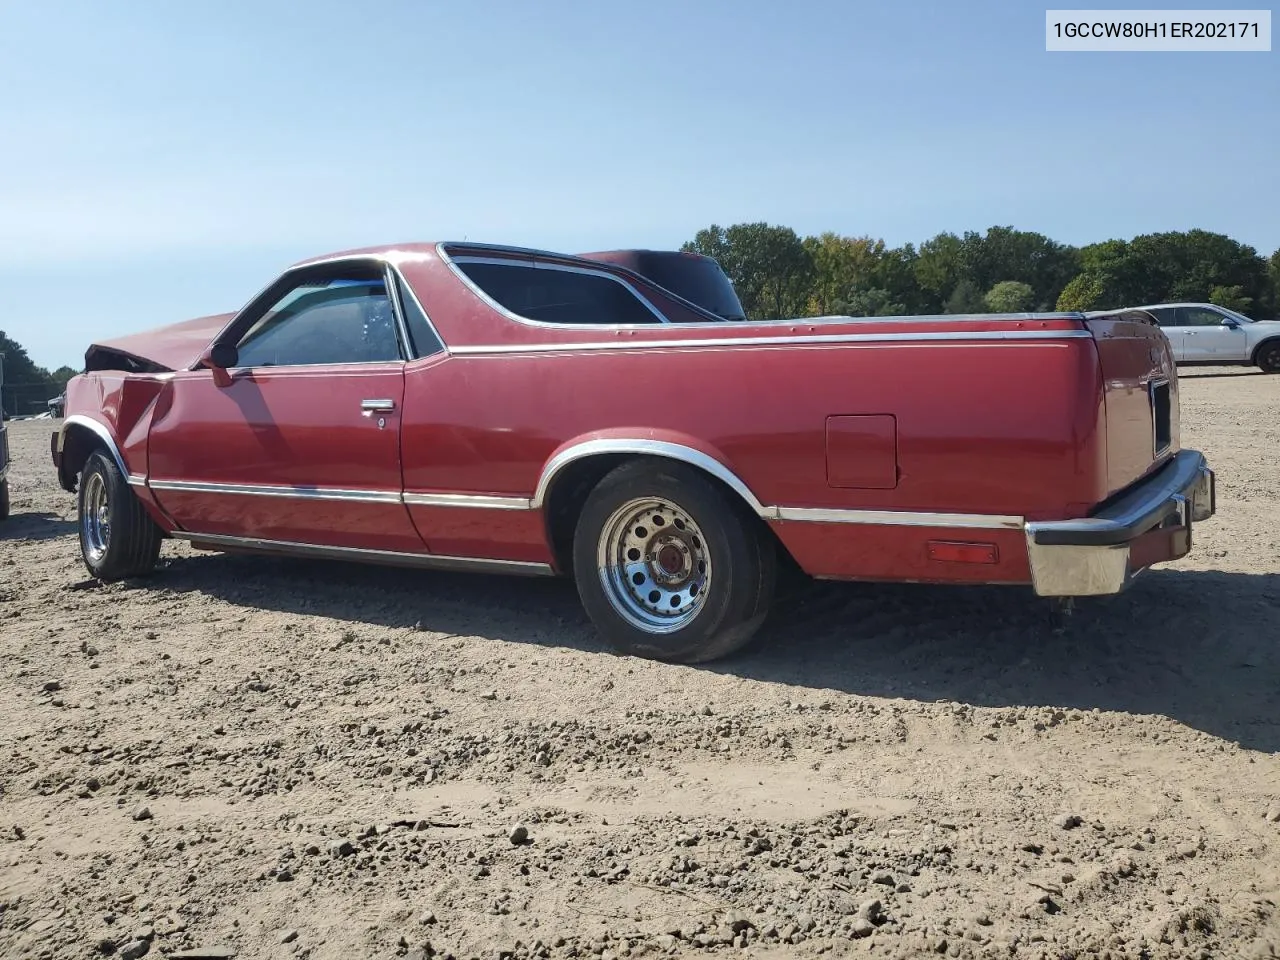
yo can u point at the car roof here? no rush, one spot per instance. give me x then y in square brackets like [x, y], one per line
[1211, 306]
[431, 246]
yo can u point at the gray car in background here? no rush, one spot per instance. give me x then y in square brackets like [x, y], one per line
[1205, 333]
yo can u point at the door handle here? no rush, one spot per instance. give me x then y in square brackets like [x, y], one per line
[377, 406]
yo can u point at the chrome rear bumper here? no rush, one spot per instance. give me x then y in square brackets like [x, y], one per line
[1095, 555]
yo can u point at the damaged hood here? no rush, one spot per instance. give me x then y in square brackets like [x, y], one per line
[173, 347]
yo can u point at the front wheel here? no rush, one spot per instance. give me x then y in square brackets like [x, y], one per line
[1268, 357]
[117, 538]
[668, 567]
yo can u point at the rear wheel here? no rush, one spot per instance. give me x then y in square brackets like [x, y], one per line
[117, 537]
[668, 567]
[1268, 356]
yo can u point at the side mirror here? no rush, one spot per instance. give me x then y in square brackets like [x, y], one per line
[220, 358]
[1231, 322]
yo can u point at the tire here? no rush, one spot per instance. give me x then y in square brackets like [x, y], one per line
[4, 499]
[651, 537]
[118, 539]
[1268, 356]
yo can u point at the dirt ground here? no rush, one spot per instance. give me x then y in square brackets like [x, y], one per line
[252, 757]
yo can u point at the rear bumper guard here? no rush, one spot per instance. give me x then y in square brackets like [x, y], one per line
[1093, 556]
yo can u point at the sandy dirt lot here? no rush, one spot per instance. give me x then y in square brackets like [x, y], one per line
[252, 757]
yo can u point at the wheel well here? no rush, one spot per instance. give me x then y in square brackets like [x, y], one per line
[570, 487]
[78, 445]
[1258, 349]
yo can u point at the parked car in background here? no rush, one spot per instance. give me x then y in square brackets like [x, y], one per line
[468, 406]
[57, 404]
[1207, 334]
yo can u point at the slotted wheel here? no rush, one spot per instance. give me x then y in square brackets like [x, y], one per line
[654, 564]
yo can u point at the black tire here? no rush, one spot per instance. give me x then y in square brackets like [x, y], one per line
[4, 499]
[130, 544]
[1268, 356]
[708, 530]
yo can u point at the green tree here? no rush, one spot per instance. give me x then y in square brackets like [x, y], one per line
[965, 298]
[939, 266]
[769, 266]
[1173, 266]
[895, 273]
[1232, 298]
[841, 265]
[1010, 296]
[26, 386]
[1003, 253]
[874, 302]
[1087, 291]
[60, 376]
[1273, 296]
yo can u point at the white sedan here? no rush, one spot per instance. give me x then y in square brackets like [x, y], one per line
[1204, 333]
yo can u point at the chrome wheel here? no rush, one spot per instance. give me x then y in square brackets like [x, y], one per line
[95, 521]
[654, 565]
[668, 566]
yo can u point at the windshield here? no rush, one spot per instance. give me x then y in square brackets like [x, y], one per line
[1239, 316]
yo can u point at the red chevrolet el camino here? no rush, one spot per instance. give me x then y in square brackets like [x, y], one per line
[478, 407]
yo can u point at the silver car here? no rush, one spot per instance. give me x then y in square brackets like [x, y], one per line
[1204, 333]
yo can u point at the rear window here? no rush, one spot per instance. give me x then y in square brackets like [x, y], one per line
[555, 295]
[697, 279]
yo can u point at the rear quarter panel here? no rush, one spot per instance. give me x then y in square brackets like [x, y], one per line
[1003, 427]
[1132, 354]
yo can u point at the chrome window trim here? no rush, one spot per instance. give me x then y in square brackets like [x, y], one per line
[401, 343]
[426, 561]
[401, 322]
[402, 282]
[452, 263]
[100, 431]
[378, 259]
[947, 336]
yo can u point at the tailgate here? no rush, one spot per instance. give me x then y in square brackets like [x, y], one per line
[1140, 393]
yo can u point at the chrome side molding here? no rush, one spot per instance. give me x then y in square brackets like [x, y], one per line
[424, 561]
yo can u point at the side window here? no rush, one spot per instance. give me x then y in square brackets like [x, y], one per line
[336, 320]
[425, 342]
[1199, 317]
[1163, 317]
[559, 296]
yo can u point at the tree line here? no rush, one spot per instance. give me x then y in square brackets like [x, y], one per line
[779, 274]
[25, 387]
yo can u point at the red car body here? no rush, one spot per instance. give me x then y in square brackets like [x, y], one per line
[1032, 449]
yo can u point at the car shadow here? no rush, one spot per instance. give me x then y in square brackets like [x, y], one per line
[1199, 647]
[35, 526]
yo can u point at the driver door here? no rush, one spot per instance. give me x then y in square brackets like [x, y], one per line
[1207, 338]
[303, 445]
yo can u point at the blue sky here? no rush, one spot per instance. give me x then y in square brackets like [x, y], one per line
[163, 160]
